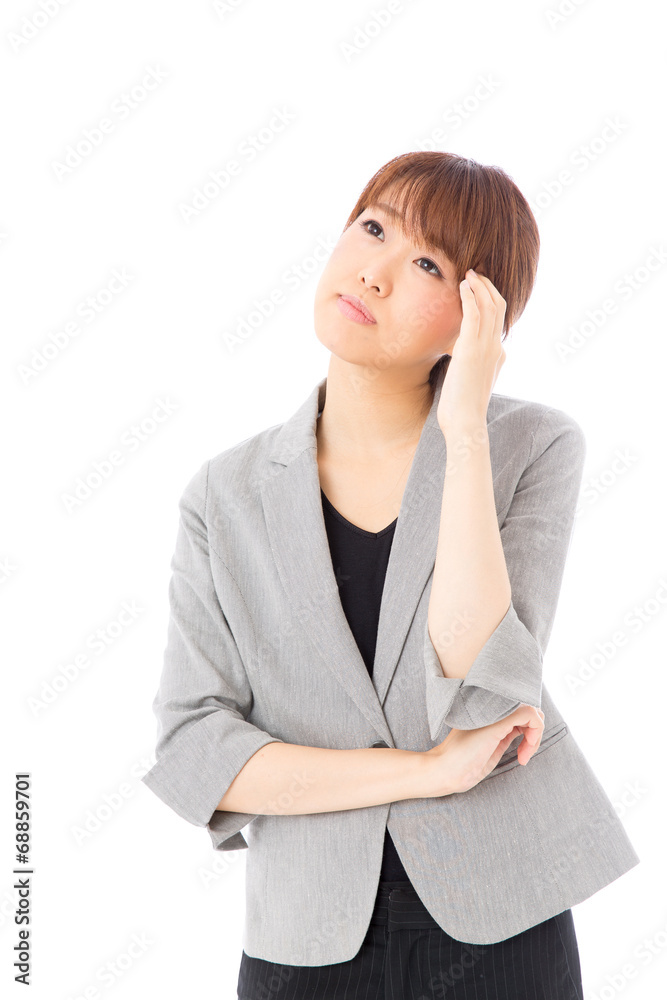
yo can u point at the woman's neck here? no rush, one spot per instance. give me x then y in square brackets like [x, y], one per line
[369, 417]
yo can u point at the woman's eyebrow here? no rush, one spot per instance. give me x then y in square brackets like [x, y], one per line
[391, 212]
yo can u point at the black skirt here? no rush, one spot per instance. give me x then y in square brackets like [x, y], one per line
[407, 955]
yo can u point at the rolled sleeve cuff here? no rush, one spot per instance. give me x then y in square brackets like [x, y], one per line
[506, 672]
[224, 829]
[192, 775]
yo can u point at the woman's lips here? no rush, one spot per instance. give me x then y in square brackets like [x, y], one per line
[347, 307]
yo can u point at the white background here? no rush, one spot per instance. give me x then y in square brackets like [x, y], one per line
[218, 76]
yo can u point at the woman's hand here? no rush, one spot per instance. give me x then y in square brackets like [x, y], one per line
[466, 756]
[477, 357]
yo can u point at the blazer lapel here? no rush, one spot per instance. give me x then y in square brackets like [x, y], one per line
[413, 550]
[297, 534]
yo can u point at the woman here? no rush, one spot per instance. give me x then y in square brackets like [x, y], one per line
[492, 845]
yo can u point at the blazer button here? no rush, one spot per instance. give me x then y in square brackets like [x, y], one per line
[381, 743]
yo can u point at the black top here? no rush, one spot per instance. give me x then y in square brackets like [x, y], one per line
[359, 560]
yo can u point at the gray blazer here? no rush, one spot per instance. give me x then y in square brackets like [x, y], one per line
[259, 651]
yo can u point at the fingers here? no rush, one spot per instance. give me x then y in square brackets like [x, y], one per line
[532, 730]
[526, 720]
[497, 753]
[471, 310]
[525, 752]
[532, 736]
[490, 290]
[482, 289]
[488, 300]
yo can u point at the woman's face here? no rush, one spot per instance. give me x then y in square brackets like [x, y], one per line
[411, 293]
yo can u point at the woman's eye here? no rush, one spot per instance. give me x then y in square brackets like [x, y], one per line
[431, 264]
[370, 222]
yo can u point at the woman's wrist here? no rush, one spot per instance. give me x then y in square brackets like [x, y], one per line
[434, 780]
[464, 429]
[426, 775]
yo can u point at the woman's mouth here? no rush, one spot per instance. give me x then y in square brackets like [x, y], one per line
[354, 309]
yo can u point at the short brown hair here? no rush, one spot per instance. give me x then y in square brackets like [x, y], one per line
[474, 214]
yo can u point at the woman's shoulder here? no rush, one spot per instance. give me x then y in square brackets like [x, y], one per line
[541, 421]
[234, 473]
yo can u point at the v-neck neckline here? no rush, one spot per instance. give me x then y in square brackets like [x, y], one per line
[355, 527]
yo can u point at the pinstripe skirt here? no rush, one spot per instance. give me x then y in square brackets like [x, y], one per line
[406, 955]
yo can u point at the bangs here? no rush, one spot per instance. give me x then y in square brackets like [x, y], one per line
[433, 207]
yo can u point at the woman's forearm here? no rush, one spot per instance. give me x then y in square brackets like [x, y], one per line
[289, 779]
[471, 590]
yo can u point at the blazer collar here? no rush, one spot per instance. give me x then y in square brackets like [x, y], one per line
[299, 431]
[295, 522]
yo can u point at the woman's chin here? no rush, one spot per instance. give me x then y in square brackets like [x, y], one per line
[355, 345]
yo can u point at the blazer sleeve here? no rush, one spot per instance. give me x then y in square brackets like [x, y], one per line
[536, 535]
[204, 696]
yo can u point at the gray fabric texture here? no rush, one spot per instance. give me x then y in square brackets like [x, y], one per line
[259, 651]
